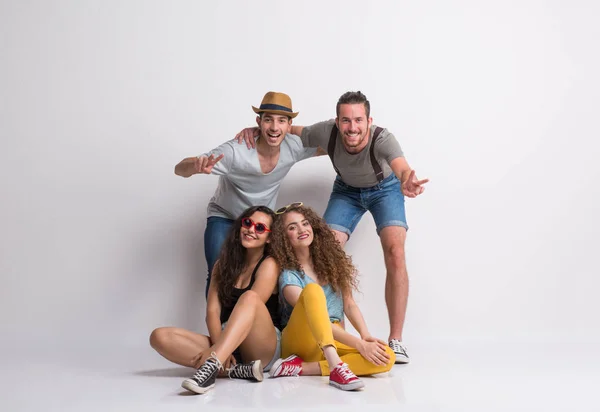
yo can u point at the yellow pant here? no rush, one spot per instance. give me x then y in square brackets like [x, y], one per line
[309, 329]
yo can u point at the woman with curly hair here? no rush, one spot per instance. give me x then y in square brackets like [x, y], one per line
[316, 285]
[242, 311]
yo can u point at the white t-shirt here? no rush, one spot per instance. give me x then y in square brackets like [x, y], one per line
[242, 183]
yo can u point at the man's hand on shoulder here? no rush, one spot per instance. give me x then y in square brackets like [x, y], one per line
[248, 135]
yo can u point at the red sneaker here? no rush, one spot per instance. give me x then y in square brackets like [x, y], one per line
[343, 378]
[290, 366]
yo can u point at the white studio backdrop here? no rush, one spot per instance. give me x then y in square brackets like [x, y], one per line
[497, 103]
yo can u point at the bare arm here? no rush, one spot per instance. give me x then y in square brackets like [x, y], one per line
[400, 168]
[213, 307]
[291, 293]
[355, 316]
[266, 279]
[195, 165]
[297, 130]
[411, 186]
[186, 168]
[320, 152]
[248, 135]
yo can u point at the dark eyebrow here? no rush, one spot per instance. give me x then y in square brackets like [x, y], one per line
[295, 223]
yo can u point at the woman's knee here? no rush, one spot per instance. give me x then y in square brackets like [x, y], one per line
[249, 297]
[159, 337]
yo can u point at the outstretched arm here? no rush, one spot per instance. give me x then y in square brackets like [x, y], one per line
[195, 165]
[411, 186]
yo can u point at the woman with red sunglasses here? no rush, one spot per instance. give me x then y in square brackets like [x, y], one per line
[242, 313]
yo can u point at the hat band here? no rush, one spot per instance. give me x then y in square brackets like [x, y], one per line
[270, 106]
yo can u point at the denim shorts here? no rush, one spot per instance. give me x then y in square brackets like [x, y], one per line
[276, 355]
[347, 204]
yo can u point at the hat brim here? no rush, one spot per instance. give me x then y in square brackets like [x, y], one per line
[281, 112]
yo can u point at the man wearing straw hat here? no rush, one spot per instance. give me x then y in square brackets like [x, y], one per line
[247, 177]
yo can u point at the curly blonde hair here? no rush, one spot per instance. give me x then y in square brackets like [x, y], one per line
[330, 262]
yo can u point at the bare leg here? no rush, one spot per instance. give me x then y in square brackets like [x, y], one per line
[396, 281]
[250, 327]
[311, 369]
[341, 237]
[178, 345]
[333, 359]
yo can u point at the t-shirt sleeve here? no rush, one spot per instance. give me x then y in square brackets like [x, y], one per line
[298, 150]
[318, 134]
[224, 165]
[387, 147]
[290, 277]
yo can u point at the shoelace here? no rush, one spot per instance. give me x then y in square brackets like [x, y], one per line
[397, 347]
[290, 370]
[345, 372]
[241, 371]
[208, 368]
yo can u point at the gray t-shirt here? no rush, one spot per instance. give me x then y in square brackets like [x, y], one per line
[242, 183]
[356, 170]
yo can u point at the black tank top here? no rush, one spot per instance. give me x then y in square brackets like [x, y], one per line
[272, 304]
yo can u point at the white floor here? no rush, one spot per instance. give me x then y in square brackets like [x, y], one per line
[464, 377]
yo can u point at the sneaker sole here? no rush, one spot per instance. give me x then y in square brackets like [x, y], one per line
[277, 365]
[257, 371]
[401, 360]
[349, 386]
[192, 386]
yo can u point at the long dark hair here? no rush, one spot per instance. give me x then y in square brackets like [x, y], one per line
[232, 259]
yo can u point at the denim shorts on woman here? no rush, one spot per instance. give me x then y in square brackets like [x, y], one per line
[347, 204]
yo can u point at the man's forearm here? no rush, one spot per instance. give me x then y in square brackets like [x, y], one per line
[297, 130]
[401, 168]
[186, 167]
[405, 174]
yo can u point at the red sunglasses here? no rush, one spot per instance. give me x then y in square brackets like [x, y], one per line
[259, 228]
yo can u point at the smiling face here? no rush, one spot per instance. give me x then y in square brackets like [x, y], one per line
[298, 230]
[273, 128]
[353, 123]
[250, 234]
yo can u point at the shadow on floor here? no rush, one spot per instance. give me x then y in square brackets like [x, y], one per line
[180, 372]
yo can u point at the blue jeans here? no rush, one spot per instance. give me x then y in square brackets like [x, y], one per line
[217, 229]
[347, 204]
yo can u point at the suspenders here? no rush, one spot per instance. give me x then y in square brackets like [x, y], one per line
[374, 163]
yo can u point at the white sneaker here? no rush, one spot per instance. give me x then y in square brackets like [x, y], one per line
[399, 351]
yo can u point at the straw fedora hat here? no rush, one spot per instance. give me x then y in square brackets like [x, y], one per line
[277, 103]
